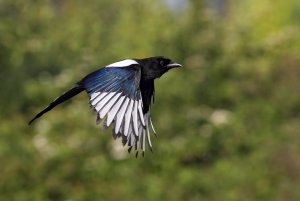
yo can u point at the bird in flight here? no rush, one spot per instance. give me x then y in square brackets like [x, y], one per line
[121, 94]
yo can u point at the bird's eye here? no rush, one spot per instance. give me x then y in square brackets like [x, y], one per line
[162, 63]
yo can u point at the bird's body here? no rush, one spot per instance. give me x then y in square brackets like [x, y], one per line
[121, 93]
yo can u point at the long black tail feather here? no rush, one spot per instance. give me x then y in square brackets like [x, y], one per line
[67, 95]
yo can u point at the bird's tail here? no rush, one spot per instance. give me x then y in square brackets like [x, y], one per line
[65, 96]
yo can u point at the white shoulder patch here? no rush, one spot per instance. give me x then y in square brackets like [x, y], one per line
[123, 63]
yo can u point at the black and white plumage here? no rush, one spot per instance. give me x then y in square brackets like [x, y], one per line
[121, 93]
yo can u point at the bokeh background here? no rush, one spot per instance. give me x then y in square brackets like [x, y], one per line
[228, 123]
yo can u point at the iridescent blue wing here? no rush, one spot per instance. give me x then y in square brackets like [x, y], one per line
[115, 95]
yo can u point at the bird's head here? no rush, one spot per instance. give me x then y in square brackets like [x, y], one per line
[154, 67]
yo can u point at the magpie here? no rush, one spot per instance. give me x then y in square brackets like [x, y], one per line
[121, 94]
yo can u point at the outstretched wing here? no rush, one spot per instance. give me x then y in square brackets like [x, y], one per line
[115, 95]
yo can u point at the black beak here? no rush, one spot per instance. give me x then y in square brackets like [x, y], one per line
[174, 65]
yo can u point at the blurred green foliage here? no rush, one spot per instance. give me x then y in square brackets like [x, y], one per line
[228, 122]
